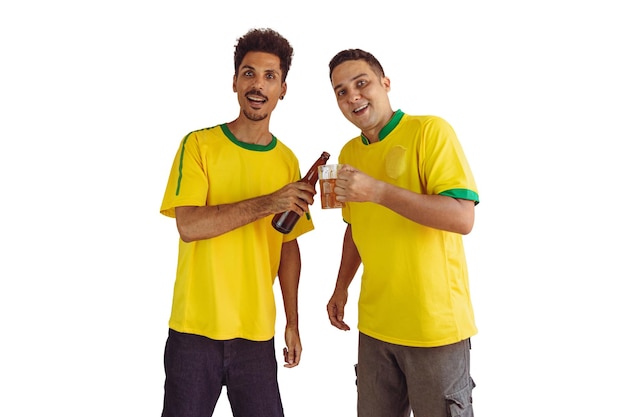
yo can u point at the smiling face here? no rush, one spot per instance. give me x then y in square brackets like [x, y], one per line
[258, 85]
[362, 96]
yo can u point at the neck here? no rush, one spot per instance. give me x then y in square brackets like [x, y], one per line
[373, 134]
[248, 131]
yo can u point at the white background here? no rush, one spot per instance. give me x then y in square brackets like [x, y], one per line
[95, 97]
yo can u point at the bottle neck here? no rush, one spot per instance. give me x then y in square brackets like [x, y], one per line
[311, 175]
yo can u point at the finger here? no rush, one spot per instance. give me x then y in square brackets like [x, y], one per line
[306, 196]
[305, 187]
[340, 325]
[336, 318]
[286, 354]
[305, 201]
[301, 207]
[339, 314]
[292, 357]
[297, 354]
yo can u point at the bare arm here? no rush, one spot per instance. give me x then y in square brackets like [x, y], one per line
[350, 262]
[436, 211]
[289, 277]
[205, 222]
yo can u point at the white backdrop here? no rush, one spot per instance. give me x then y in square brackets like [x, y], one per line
[95, 97]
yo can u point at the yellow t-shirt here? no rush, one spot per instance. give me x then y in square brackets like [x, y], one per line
[224, 285]
[414, 288]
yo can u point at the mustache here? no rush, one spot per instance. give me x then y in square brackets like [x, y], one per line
[256, 93]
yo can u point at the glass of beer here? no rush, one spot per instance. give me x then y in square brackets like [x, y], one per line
[327, 179]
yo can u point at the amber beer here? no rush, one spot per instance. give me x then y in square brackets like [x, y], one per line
[327, 179]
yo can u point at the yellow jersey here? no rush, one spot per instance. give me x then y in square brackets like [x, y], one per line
[414, 288]
[224, 285]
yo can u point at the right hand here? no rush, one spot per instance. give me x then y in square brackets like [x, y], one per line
[354, 185]
[295, 196]
[335, 309]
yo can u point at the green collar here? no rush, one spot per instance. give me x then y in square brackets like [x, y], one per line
[249, 146]
[386, 130]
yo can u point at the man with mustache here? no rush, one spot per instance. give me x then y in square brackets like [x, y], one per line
[410, 196]
[225, 185]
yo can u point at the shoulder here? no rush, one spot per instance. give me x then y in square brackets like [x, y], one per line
[208, 137]
[427, 126]
[285, 151]
[425, 120]
[352, 144]
[205, 132]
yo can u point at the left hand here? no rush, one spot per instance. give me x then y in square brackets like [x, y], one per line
[293, 351]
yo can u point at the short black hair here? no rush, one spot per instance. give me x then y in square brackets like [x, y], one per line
[355, 55]
[264, 40]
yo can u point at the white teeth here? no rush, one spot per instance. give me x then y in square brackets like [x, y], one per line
[358, 109]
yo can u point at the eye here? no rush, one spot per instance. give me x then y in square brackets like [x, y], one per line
[361, 83]
[248, 73]
[341, 93]
[271, 75]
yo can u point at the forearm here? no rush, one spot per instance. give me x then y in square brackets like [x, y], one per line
[350, 262]
[205, 222]
[436, 211]
[289, 278]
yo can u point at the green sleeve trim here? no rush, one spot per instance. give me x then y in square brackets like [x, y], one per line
[180, 163]
[462, 193]
[182, 154]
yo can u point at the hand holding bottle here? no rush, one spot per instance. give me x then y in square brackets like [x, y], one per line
[284, 222]
[295, 196]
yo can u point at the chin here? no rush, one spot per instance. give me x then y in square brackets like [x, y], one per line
[255, 117]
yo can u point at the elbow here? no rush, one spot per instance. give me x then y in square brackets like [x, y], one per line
[190, 234]
[186, 238]
[185, 234]
[462, 225]
[188, 229]
[465, 218]
[465, 225]
[465, 229]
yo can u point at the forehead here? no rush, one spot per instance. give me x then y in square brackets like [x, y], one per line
[261, 61]
[350, 70]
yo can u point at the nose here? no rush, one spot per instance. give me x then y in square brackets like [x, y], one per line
[259, 82]
[354, 96]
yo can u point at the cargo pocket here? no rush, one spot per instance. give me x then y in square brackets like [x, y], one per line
[460, 402]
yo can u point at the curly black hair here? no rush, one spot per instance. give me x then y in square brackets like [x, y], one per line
[264, 40]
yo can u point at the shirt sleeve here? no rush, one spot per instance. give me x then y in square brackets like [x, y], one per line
[446, 170]
[188, 183]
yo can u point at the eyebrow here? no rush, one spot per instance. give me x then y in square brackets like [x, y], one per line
[338, 86]
[246, 67]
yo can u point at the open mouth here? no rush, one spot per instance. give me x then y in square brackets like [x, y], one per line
[256, 97]
[360, 109]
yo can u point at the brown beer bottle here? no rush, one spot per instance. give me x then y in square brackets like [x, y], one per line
[284, 222]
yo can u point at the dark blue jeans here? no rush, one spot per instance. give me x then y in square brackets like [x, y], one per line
[197, 367]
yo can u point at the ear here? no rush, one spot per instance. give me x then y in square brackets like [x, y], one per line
[283, 91]
[235, 83]
[386, 82]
